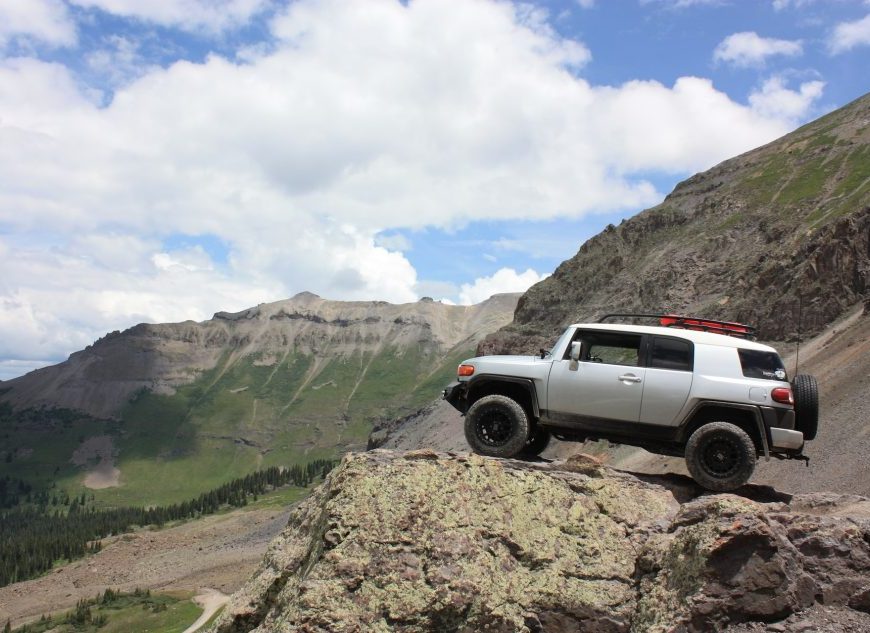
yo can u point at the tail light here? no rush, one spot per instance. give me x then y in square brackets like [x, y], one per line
[782, 395]
[466, 370]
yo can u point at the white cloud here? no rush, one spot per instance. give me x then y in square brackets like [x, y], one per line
[393, 242]
[503, 280]
[119, 61]
[683, 4]
[208, 15]
[774, 99]
[848, 35]
[586, 4]
[750, 49]
[365, 120]
[645, 125]
[56, 300]
[47, 21]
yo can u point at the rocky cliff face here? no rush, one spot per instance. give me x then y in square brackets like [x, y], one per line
[423, 541]
[777, 237]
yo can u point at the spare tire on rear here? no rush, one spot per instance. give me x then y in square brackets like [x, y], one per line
[806, 405]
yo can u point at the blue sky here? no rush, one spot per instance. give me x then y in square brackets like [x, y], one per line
[162, 161]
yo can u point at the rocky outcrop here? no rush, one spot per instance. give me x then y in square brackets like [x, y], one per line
[778, 237]
[423, 541]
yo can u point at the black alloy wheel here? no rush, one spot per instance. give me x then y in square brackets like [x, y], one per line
[493, 427]
[721, 456]
[497, 426]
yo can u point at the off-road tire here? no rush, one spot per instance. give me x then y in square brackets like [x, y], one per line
[720, 456]
[497, 426]
[537, 443]
[806, 405]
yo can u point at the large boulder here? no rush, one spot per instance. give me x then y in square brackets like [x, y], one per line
[425, 541]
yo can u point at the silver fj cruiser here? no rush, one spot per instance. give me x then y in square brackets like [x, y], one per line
[686, 386]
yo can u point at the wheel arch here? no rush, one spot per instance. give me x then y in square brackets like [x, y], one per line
[521, 390]
[746, 417]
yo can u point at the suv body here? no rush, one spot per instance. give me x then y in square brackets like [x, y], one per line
[647, 386]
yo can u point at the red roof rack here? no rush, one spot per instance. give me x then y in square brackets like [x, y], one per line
[691, 323]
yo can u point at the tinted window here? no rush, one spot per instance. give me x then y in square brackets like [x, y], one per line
[668, 353]
[612, 349]
[758, 364]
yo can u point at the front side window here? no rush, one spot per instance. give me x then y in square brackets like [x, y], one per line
[669, 353]
[611, 349]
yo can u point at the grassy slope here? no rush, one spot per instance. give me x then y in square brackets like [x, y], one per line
[128, 615]
[234, 419]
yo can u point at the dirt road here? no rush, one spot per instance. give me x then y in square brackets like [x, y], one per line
[210, 600]
[218, 552]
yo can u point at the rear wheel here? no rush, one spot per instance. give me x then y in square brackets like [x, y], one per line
[497, 426]
[806, 405]
[720, 456]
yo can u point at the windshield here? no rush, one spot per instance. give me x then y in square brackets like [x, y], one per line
[561, 341]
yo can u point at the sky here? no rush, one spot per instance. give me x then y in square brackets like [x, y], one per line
[165, 160]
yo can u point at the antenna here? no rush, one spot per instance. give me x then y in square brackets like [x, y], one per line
[797, 354]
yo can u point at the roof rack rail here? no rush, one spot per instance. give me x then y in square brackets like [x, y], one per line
[690, 323]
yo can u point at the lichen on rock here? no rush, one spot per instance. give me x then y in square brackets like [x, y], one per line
[424, 541]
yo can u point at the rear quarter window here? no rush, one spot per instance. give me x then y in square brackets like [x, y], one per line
[759, 364]
[669, 353]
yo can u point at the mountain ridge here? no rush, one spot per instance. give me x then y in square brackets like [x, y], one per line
[717, 247]
[245, 331]
[778, 237]
[160, 412]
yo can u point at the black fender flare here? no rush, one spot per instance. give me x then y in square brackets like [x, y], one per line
[479, 382]
[754, 413]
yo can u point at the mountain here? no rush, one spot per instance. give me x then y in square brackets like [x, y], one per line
[424, 542]
[158, 413]
[778, 237]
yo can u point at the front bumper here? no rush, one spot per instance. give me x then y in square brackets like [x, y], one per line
[454, 393]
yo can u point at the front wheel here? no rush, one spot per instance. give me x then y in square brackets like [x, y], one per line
[497, 426]
[537, 443]
[720, 456]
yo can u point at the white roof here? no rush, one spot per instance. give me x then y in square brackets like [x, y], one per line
[707, 338]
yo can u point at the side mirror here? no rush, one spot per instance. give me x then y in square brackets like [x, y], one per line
[575, 350]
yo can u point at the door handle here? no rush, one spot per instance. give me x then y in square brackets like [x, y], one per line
[629, 378]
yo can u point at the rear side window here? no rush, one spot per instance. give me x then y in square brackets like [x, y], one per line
[757, 364]
[669, 353]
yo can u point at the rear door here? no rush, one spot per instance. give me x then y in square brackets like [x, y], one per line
[607, 382]
[668, 379]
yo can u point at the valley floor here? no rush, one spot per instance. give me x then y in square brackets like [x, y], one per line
[218, 552]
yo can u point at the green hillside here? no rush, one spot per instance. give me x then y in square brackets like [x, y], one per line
[159, 413]
[240, 416]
